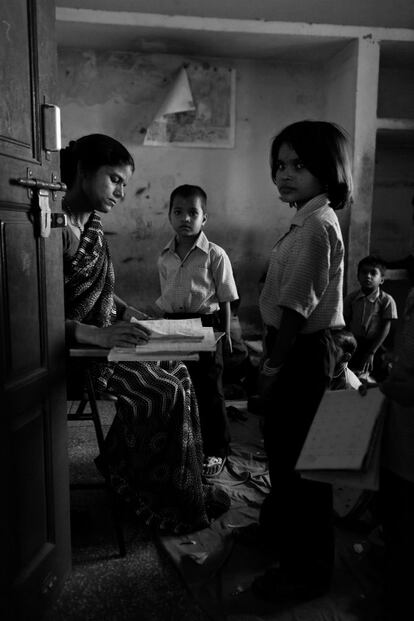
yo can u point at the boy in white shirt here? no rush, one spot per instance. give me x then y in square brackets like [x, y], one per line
[196, 279]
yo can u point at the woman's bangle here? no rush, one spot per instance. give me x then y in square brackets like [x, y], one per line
[270, 371]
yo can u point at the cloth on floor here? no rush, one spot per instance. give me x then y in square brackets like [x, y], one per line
[219, 569]
[201, 556]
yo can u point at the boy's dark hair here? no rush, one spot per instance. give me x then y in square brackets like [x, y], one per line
[373, 260]
[90, 153]
[323, 148]
[189, 191]
[345, 340]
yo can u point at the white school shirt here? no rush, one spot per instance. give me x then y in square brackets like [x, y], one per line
[306, 270]
[197, 283]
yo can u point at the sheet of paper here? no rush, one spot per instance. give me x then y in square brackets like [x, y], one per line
[340, 435]
[367, 478]
[174, 329]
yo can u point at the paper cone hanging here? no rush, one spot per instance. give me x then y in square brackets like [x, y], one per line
[178, 99]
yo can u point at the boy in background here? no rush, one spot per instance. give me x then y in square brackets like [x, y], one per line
[196, 279]
[368, 313]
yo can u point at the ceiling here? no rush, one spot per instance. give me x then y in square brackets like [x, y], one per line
[98, 26]
[371, 13]
[198, 43]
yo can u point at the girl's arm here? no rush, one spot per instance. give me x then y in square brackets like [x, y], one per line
[290, 326]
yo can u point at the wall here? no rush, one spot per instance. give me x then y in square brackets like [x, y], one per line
[118, 94]
[340, 87]
[392, 232]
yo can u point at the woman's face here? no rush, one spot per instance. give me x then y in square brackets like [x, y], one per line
[106, 186]
[295, 182]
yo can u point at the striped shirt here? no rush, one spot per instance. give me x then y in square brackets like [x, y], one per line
[306, 270]
[197, 283]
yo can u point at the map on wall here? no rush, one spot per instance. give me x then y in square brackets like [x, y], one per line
[198, 110]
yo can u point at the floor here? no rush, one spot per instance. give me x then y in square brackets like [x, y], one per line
[205, 576]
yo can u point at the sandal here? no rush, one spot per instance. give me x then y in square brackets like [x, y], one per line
[213, 466]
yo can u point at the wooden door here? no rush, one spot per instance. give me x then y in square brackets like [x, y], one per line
[35, 541]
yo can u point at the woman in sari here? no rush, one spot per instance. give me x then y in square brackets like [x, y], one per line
[154, 447]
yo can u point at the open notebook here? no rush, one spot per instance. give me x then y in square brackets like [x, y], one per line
[171, 339]
[343, 442]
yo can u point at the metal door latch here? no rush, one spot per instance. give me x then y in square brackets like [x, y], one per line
[46, 219]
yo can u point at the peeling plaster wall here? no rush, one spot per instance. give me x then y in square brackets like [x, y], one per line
[118, 94]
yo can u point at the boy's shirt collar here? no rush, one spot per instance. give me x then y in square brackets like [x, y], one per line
[371, 297]
[201, 242]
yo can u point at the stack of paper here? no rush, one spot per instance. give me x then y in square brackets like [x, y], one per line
[189, 330]
[171, 339]
[343, 442]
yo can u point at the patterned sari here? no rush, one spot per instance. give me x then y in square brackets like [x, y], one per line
[154, 445]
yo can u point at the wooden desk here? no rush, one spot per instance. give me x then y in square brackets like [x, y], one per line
[88, 352]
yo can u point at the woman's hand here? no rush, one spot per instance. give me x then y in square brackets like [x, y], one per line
[122, 334]
[119, 334]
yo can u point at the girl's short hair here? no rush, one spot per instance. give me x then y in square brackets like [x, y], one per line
[323, 148]
[90, 153]
[189, 191]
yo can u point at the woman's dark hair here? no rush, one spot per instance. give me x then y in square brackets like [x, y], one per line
[323, 149]
[189, 191]
[90, 153]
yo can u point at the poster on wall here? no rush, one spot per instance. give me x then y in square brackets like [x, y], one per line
[198, 110]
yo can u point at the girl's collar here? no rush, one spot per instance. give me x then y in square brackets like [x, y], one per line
[315, 203]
